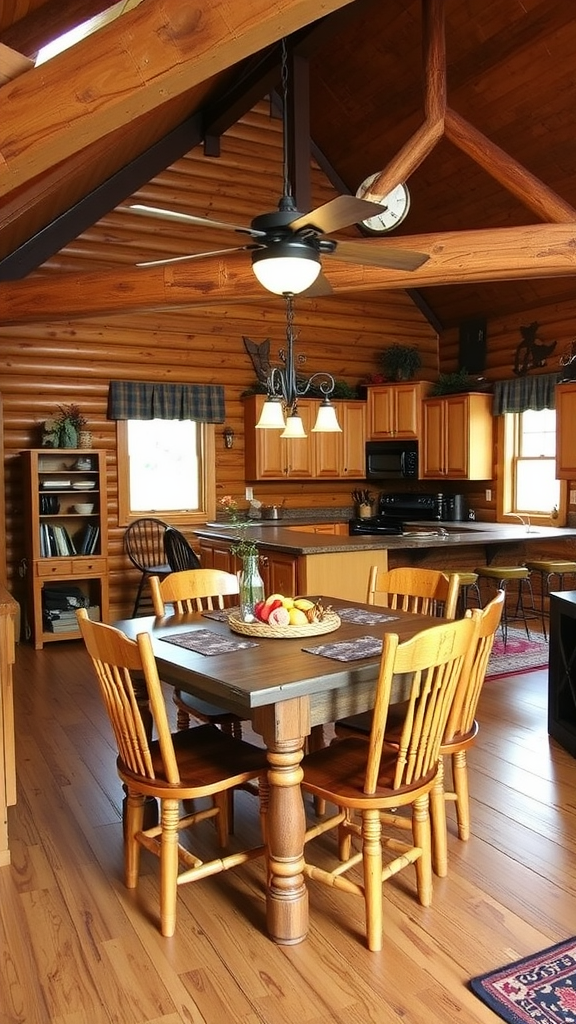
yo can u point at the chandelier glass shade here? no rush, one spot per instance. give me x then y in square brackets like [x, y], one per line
[285, 387]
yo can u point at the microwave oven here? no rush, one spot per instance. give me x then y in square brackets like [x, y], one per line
[391, 460]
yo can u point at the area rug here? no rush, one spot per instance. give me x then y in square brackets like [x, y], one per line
[520, 654]
[540, 989]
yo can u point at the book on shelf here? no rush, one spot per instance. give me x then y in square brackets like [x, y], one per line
[55, 541]
[87, 541]
[65, 621]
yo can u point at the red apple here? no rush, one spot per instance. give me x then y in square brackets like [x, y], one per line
[258, 610]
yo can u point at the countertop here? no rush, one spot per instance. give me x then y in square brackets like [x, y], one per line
[276, 534]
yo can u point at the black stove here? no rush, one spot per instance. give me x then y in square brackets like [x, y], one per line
[374, 525]
[395, 508]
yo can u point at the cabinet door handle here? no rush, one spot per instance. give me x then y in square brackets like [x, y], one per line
[264, 560]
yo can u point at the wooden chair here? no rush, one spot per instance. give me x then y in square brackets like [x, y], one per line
[461, 731]
[427, 591]
[366, 777]
[144, 545]
[202, 762]
[196, 590]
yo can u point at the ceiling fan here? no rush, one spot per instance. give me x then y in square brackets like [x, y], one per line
[287, 244]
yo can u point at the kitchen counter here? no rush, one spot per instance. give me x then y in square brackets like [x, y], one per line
[277, 535]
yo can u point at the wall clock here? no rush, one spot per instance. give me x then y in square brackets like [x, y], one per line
[395, 206]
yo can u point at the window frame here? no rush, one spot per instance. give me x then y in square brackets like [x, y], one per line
[207, 481]
[508, 443]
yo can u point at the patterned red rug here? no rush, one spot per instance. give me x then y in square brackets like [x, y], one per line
[520, 654]
[540, 989]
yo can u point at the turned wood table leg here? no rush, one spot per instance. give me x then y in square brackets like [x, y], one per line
[283, 727]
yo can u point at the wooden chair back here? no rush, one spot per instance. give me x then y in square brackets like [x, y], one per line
[426, 591]
[116, 659]
[144, 543]
[192, 590]
[463, 710]
[432, 663]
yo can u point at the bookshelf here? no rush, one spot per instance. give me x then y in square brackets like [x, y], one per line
[66, 531]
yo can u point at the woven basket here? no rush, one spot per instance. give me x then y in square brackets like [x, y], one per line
[328, 624]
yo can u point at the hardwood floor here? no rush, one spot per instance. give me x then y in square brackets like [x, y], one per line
[78, 948]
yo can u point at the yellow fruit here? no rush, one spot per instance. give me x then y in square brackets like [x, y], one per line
[288, 603]
[274, 597]
[303, 604]
[297, 617]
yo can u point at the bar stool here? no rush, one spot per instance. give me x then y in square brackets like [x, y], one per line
[468, 583]
[502, 575]
[547, 568]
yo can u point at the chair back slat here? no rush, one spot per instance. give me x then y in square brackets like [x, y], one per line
[431, 664]
[120, 665]
[425, 591]
[192, 590]
[463, 710]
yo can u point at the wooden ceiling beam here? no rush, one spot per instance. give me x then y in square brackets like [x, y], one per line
[457, 257]
[164, 51]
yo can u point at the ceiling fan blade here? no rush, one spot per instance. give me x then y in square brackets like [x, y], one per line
[189, 218]
[194, 256]
[338, 213]
[320, 287]
[372, 253]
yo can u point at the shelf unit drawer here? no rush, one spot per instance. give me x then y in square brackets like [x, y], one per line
[53, 568]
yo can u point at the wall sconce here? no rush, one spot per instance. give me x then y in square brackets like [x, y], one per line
[228, 437]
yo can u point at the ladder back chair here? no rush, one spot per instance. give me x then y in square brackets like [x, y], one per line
[369, 780]
[196, 590]
[427, 591]
[202, 762]
[144, 545]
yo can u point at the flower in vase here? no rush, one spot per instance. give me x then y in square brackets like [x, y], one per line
[243, 548]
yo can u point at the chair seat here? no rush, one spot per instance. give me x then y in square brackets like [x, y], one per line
[504, 572]
[552, 566]
[207, 758]
[337, 773]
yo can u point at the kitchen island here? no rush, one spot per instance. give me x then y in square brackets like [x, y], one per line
[295, 561]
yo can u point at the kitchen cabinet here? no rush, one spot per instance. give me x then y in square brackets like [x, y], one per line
[342, 456]
[268, 456]
[66, 539]
[565, 420]
[457, 438]
[395, 410]
[277, 568]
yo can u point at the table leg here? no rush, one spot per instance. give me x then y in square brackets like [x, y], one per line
[283, 727]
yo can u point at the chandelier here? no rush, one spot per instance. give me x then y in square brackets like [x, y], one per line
[285, 387]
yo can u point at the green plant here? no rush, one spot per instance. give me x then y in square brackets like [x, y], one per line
[454, 383]
[62, 431]
[400, 362]
[243, 547]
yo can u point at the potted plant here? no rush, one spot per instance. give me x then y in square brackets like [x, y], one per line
[400, 362]
[62, 431]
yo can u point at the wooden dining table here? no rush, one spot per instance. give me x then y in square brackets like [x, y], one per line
[284, 691]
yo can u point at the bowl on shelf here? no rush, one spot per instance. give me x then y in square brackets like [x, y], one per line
[83, 510]
[83, 485]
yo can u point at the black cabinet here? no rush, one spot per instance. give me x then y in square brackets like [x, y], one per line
[562, 670]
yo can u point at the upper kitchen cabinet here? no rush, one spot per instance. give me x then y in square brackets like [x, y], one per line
[565, 420]
[395, 410]
[318, 456]
[343, 456]
[457, 438]
[268, 456]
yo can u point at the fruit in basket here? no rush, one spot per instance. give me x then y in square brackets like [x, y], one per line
[279, 616]
[303, 604]
[297, 617]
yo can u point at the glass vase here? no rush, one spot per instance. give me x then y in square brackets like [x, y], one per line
[251, 588]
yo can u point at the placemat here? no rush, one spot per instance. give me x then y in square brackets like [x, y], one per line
[204, 641]
[348, 650]
[221, 614]
[363, 616]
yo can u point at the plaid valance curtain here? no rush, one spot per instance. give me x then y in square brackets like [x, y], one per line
[136, 400]
[537, 392]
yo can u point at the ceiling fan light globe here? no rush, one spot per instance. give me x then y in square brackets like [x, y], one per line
[272, 415]
[286, 273]
[326, 420]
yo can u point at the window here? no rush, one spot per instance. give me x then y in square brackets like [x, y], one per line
[530, 487]
[165, 469]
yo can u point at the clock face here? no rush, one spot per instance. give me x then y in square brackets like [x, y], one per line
[395, 206]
